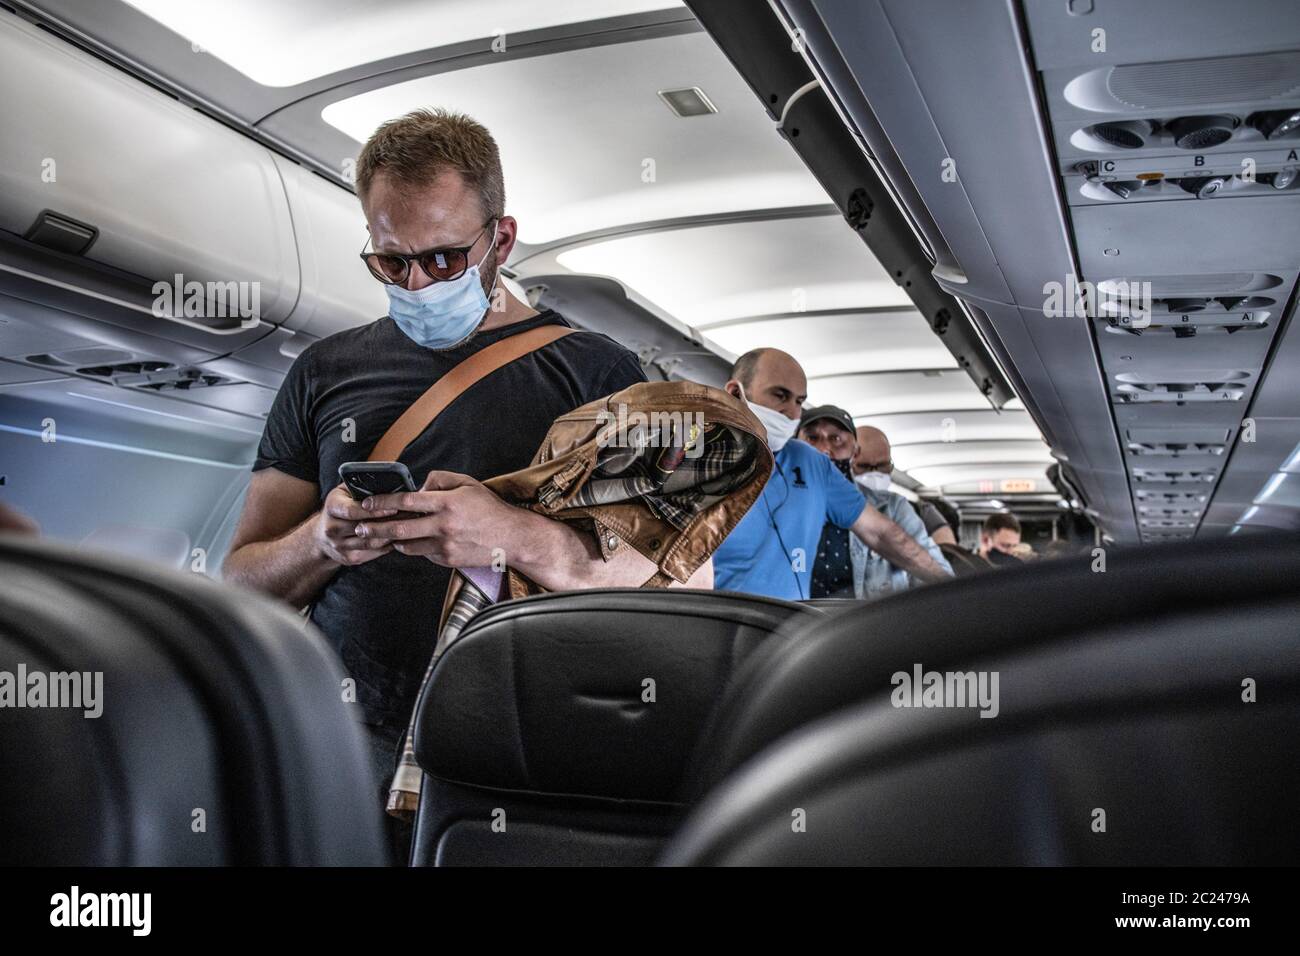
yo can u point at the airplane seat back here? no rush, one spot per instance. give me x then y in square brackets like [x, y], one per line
[166, 720]
[1055, 714]
[557, 728]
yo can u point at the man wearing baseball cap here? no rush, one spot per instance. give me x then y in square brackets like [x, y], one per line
[846, 566]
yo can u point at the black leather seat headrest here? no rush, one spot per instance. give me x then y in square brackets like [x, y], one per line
[596, 693]
[848, 656]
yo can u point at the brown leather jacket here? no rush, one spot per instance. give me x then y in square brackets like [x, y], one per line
[568, 455]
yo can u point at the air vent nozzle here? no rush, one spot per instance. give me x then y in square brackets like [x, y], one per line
[1274, 124]
[1185, 499]
[1187, 477]
[1164, 523]
[90, 355]
[1124, 134]
[1174, 449]
[1202, 132]
[155, 375]
[1181, 392]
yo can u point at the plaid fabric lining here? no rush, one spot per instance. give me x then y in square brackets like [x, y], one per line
[672, 483]
[404, 792]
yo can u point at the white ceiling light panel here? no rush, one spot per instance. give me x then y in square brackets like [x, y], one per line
[586, 143]
[913, 457]
[708, 274]
[953, 426]
[894, 392]
[834, 344]
[291, 41]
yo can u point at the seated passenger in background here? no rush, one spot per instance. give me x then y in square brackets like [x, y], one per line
[942, 523]
[999, 539]
[1060, 549]
[772, 549]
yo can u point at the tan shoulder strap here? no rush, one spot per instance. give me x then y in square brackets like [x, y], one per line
[412, 422]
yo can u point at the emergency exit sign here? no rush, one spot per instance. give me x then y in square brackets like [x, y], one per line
[1014, 485]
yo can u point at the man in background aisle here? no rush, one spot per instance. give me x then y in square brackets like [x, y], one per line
[872, 465]
[845, 565]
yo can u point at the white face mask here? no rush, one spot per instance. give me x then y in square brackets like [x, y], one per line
[873, 480]
[779, 428]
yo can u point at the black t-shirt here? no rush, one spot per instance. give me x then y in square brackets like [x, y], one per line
[381, 616]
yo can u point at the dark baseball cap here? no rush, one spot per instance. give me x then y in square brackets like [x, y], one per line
[832, 412]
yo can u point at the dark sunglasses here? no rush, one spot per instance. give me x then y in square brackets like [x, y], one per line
[440, 265]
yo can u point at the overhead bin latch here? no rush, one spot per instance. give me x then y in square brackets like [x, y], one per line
[62, 233]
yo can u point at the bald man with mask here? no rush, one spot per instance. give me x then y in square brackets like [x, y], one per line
[872, 464]
[771, 551]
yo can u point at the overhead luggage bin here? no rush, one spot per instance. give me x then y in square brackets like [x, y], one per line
[97, 165]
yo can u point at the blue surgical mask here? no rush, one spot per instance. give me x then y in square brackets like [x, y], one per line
[442, 315]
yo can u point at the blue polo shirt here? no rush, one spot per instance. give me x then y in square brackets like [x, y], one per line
[773, 548]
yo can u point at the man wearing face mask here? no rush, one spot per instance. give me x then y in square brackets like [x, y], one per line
[830, 430]
[431, 186]
[872, 463]
[772, 549]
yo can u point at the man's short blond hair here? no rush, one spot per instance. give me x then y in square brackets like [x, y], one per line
[415, 148]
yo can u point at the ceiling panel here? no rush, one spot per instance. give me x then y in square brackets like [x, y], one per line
[708, 274]
[892, 392]
[834, 344]
[587, 144]
[913, 457]
[291, 41]
[946, 425]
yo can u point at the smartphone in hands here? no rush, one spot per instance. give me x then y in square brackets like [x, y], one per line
[366, 478]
